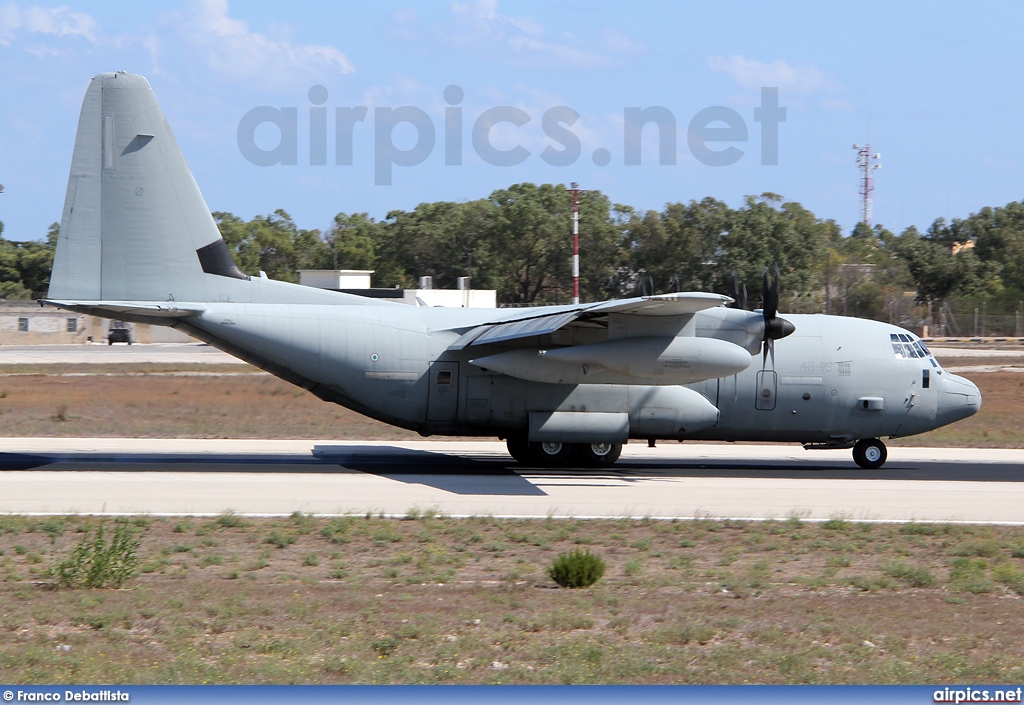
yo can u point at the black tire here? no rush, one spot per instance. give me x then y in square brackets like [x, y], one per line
[551, 455]
[597, 455]
[519, 449]
[869, 453]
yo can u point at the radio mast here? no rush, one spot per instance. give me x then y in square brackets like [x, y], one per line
[867, 163]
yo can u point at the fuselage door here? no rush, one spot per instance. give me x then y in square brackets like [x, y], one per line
[767, 382]
[443, 401]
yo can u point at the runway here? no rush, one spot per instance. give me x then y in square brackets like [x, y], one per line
[207, 477]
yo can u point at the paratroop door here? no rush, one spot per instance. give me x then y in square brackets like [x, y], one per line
[443, 399]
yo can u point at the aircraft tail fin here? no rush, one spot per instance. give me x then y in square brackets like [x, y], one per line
[135, 226]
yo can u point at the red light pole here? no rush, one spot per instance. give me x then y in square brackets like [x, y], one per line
[576, 191]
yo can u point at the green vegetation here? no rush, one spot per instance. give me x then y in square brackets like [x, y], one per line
[425, 599]
[577, 569]
[98, 563]
[514, 241]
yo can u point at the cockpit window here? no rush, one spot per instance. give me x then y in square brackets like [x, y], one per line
[907, 347]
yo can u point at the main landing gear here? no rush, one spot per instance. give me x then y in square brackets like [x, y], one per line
[554, 455]
[869, 453]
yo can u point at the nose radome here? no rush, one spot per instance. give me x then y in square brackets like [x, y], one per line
[960, 396]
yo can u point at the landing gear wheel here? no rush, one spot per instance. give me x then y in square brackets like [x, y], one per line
[598, 455]
[869, 453]
[551, 455]
[519, 449]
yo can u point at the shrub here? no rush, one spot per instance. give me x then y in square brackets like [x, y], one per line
[278, 539]
[914, 577]
[97, 563]
[577, 568]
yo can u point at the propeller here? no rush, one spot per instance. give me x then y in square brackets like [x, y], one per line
[774, 327]
[739, 295]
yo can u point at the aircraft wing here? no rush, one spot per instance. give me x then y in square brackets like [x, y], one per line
[525, 325]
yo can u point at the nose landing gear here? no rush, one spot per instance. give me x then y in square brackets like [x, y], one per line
[869, 453]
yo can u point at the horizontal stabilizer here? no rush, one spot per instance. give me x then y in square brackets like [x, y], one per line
[127, 310]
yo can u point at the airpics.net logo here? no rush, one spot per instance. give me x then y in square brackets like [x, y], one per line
[712, 134]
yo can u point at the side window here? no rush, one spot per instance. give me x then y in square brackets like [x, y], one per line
[926, 379]
[444, 377]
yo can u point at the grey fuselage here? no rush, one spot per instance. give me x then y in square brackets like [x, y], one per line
[834, 380]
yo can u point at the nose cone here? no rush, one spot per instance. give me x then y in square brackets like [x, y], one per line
[779, 328]
[959, 398]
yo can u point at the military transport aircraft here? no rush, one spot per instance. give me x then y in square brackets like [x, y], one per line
[563, 385]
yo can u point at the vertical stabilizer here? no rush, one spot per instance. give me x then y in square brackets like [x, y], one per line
[135, 226]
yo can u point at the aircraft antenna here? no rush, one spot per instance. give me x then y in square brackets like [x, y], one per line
[576, 191]
[867, 162]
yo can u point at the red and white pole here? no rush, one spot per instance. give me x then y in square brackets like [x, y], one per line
[575, 242]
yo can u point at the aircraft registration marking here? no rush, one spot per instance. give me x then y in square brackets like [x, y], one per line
[801, 380]
[402, 376]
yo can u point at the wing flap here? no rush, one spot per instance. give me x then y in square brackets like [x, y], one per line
[512, 330]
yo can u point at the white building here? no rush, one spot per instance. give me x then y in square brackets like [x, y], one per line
[357, 281]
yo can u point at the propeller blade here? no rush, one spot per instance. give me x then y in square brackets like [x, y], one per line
[770, 296]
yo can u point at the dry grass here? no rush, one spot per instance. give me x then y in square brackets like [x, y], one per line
[429, 599]
[157, 403]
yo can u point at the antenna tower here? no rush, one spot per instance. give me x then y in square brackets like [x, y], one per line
[867, 163]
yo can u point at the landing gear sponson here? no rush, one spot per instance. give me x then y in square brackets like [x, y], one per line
[550, 455]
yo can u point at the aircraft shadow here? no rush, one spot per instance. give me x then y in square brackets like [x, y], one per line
[454, 474]
[474, 475]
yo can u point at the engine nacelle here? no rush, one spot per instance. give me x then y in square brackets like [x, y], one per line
[642, 360]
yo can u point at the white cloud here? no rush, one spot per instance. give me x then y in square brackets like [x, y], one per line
[778, 74]
[479, 25]
[53, 21]
[231, 49]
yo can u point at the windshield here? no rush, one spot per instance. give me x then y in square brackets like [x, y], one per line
[907, 347]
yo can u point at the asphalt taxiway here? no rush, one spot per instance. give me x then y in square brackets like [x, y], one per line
[205, 477]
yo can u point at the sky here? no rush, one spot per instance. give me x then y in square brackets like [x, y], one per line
[544, 92]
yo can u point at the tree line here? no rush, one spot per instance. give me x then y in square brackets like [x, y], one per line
[518, 241]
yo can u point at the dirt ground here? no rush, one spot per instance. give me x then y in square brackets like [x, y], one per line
[197, 402]
[435, 600]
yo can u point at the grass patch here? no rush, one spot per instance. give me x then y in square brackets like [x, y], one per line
[778, 602]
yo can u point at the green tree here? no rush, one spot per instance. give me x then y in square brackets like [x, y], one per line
[441, 240]
[531, 232]
[270, 243]
[351, 242]
[936, 273]
[25, 266]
